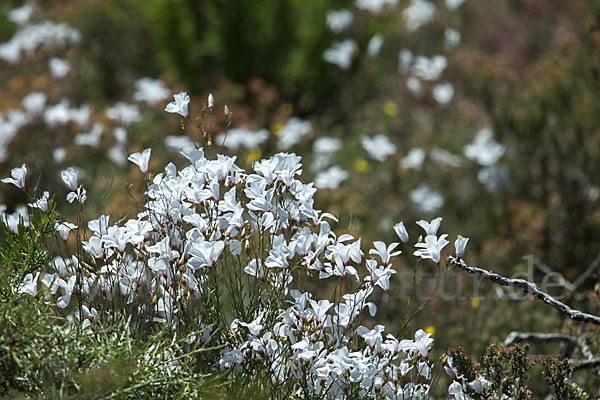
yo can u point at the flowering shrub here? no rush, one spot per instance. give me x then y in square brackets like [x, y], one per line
[503, 374]
[410, 113]
[221, 254]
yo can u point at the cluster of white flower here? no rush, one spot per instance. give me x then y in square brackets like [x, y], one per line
[30, 37]
[378, 147]
[241, 138]
[487, 152]
[200, 219]
[38, 107]
[311, 346]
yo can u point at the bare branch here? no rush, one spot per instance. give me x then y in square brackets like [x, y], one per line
[529, 287]
[583, 346]
[579, 364]
[537, 337]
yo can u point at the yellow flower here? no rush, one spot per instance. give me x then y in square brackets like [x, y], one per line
[361, 165]
[390, 108]
[276, 128]
[475, 302]
[430, 329]
[253, 155]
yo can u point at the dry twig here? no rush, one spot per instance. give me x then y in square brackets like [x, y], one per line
[529, 287]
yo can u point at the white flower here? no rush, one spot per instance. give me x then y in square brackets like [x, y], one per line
[31, 36]
[255, 268]
[21, 14]
[69, 177]
[443, 92]
[59, 154]
[415, 87]
[432, 227]
[99, 226]
[211, 101]
[17, 177]
[141, 159]
[118, 155]
[41, 203]
[341, 53]
[242, 138]
[180, 144]
[79, 195]
[13, 220]
[484, 149]
[418, 13]
[120, 135]
[205, 254]
[378, 147]
[454, 4]
[291, 133]
[429, 69]
[59, 67]
[374, 46]
[460, 245]
[326, 145]
[64, 229]
[34, 103]
[91, 138]
[451, 38]
[493, 177]
[479, 385]
[425, 199]
[255, 326]
[29, 284]
[400, 230]
[81, 115]
[58, 114]
[432, 247]
[451, 370]
[456, 390]
[414, 158]
[405, 60]
[331, 178]
[383, 252]
[116, 237]
[372, 337]
[324, 149]
[338, 20]
[68, 286]
[379, 276]
[375, 6]
[151, 91]
[421, 343]
[124, 113]
[180, 105]
[320, 308]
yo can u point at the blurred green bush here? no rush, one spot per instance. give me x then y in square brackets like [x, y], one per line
[281, 41]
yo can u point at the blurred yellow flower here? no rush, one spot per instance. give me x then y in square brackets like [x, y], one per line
[361, 165]
[475, 302]
[276, 128]
[253, 155]
[390, 108]
[430, 329]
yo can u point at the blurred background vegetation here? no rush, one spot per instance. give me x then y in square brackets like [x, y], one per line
[528, 70]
